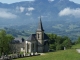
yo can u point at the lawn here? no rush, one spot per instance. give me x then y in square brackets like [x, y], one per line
[70, 54]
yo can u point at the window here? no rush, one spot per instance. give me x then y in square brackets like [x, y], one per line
[22, 49]
[27, 46]
[38, 36]
[33, 46]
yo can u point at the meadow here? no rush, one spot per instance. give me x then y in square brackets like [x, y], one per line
[70, 54]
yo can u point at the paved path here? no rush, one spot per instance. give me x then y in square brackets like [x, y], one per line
[42, 53]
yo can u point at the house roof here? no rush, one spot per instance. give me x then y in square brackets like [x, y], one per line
[15, 42]
[40, 27]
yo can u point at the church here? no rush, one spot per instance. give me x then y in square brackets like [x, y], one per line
[38, 42]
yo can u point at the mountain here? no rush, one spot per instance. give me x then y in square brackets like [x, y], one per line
[61, 17]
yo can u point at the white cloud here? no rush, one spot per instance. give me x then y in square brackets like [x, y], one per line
[30, 9]
[22, 9]
[69, 11]
[28, 14]
[4, 13]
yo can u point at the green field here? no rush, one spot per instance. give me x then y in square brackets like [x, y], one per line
[70, 54]
[76, 46]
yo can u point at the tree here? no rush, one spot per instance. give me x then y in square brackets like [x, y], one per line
[78, 40]
[52, 38]
[59, 42]
[5, 40]
[67, 43]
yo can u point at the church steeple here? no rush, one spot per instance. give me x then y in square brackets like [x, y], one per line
[40, 27]
[40, 36]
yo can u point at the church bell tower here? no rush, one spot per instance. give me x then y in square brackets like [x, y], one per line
[40, 37]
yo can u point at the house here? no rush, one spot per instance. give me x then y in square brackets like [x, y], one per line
[37, 42]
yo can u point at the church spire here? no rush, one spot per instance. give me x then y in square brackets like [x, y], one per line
[40, 27]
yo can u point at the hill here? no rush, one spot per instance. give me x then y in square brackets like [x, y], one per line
[61, 17]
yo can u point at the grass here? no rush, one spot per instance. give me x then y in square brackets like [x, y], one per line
[70, 54]
[76, 46]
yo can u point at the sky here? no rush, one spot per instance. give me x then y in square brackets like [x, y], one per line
[13, 1]
[76, 1]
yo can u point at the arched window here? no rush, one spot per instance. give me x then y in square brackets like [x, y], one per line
[28, 47]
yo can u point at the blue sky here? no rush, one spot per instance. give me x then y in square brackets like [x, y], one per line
[12, 1]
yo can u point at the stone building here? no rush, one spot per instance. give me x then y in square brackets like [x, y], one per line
[37, 42]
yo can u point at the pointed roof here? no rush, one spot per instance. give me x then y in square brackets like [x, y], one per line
[40, 27]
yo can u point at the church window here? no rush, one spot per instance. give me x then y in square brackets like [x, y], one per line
[27, 46]
[33, 46]
[38, 36]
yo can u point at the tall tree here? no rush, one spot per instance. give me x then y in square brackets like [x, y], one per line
[5, 40]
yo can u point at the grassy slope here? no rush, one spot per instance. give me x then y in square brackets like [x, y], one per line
[76, 46]
[70, 54]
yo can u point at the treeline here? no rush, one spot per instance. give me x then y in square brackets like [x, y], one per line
[16, 32]
[59, 42]
[77, 41]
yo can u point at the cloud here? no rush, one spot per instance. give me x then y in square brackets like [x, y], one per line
[22, 9]
[28, 14]
[50, 0]
[69, 11]
[4, 13]
[30, 9]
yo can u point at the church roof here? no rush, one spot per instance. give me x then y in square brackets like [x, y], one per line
[32, 37]
[40, 27]
[45, 36]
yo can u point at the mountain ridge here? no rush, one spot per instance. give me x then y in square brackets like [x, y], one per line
[62, 16]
